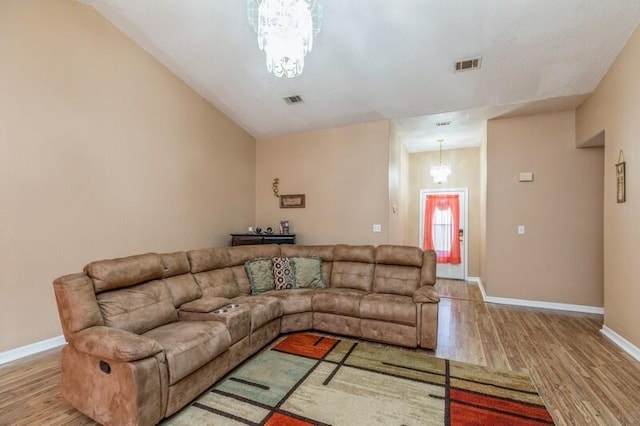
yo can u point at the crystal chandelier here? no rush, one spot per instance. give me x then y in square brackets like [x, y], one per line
[441, 172]
[285, 31]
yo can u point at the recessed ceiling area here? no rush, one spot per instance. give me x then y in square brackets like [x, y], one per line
[377, 59]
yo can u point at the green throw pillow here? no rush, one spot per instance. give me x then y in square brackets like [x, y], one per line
[308, 272]
[260, 274]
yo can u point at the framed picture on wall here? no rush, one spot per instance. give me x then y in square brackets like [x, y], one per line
[292, 201]
[621, 196]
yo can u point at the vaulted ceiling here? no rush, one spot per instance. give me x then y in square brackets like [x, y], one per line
[384, 59]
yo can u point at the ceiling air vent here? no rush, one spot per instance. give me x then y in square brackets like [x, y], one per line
[468, 64]
[443, 123]
[293, 99]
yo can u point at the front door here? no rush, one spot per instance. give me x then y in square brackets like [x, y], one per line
[443, 225]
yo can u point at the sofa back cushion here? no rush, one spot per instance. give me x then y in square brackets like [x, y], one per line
[111, 274]
[398, 269]
[208, 259]
[217, 283]
[138, 308]
[353, 267]
[181, 284]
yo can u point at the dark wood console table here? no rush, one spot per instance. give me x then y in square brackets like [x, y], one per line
[250, 239]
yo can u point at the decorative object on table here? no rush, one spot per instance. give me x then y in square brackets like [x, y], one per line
[285, 29]
[301, 374]
[250, 230]
[269, 231]
[258, 230]
[621, 195]
[284, 227]
[274, 185]
[292, 201]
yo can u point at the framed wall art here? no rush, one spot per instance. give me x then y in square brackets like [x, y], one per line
[294, 201]
[621, 190]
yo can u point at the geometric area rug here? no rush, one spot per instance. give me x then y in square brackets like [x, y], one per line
[306, 379]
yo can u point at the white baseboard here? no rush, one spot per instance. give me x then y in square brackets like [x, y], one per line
[535, 303]
[34, 348]
[624, 344]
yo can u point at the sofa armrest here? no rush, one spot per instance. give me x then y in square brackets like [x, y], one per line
[426, 294]
[205, 304]
[114, 344]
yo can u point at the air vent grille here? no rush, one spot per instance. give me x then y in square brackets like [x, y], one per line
[443, 123]
[293, 99]
[468, 64]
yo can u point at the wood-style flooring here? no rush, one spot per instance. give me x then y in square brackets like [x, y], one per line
[583, 377]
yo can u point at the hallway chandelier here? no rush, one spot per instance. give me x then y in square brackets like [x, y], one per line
[441, 172]
[285, 31]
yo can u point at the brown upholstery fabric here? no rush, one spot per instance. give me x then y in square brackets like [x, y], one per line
[133, 393]
[389, 308]
[293, 300]
[426, 295]
[264, 335]
[346, 253]
[323, 252]
[338, 301]
[394, 279]
[205, 304]
[139, 308]
[429, 325]
[218, 282]
[208, 259]
[113, 344]
[238, 255]
[189, 345]
[124, 272]
[242, 280]
[429, 261]
[175, 264]
[355, 275]
[183, 288]
[296, 322]
[264, 309]
[396, 334]
[187, 389]
[399, 255]
[77, 305]
[237, 320]
[238, 352]
[336, 324]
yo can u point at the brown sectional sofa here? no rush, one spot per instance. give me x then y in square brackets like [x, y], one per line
[148, 333]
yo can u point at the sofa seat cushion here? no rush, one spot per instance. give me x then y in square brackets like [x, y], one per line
[338, 301]
[189, 345]
[294, 301]
[264, 309]
[389, 307]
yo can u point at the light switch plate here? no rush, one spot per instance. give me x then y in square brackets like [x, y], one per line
[377, 227]
[520, 229]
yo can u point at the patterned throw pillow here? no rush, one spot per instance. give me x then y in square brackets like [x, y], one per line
[309, 272]
[260, 274]
[284, 273]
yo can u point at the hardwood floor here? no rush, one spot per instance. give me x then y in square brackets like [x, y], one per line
[583, 377]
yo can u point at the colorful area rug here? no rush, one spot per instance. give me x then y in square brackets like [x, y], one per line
[306, 379]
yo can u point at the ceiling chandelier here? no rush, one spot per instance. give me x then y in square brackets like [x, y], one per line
[285, 31]
[441, 172]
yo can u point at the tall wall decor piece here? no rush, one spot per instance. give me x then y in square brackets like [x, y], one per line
[621, 195]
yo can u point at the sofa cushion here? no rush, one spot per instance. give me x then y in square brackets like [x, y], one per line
[284, 273]
[264, 309]
[260, 273]
[111, 274]
[394, 279]
[189, 345]
[308, 272]
[324, 253]
[293, 301]
[399, 255]
[217, 283]
[365, 254]
[355, 275]
[176, 263]
[239, 255]
[138, 308]
[338, 301]
[207, 259]
[183, 288]
[390, 308]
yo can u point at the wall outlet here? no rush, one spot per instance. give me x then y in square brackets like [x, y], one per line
[377, 227]
[520, 229]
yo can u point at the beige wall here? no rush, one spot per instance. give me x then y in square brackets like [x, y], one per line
[559, 258]
[615, 108]
[398, 190]
[104, 153]
[344, 174]
[465, 173]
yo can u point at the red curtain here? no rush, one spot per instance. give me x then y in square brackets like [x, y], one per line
[448, 249]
